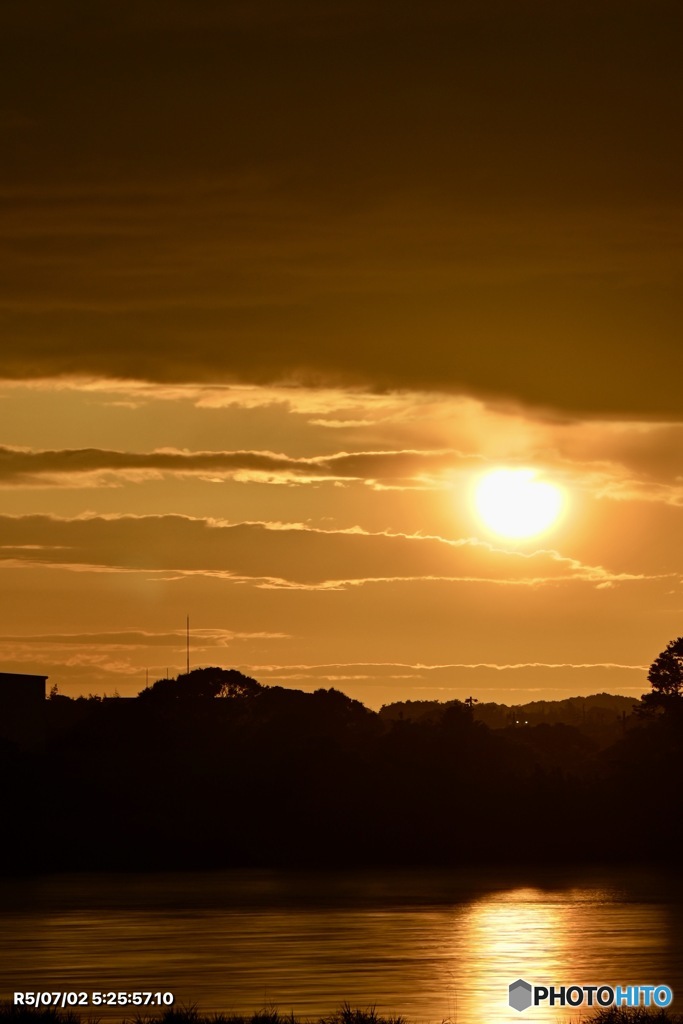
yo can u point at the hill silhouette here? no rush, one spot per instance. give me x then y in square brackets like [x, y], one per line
[601, 715]
[215, 769]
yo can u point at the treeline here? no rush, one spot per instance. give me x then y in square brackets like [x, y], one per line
[602, 716]
[213, 769]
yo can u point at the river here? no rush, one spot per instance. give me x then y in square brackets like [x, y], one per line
[430, 945]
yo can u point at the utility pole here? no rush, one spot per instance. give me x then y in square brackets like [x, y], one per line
[188, 645]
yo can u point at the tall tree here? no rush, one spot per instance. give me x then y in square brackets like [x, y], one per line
[666, 678]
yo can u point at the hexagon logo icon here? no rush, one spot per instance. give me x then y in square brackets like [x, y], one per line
[520, 995]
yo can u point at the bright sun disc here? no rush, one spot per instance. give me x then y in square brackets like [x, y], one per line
[513, 503]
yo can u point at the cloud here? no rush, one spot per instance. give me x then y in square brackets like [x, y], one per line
[135, 638]
[445, 197]
[276, 555]
[78, 670]
[399, 670]
[384, 682]
[623, 462]
[366, 305]
[93, 467]
[90, 659]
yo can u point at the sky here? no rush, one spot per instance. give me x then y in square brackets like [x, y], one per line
[281, 283]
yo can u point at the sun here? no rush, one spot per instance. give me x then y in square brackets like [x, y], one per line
[515, 504]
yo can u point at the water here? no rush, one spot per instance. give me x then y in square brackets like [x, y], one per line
[432, 946]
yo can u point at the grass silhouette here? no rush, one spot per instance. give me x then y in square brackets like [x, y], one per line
[635, 1015]
[10, 1014]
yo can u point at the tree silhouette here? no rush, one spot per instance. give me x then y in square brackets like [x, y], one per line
[666, 678]
[202, 683]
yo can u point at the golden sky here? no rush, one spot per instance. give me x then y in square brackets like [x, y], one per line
[281, 282]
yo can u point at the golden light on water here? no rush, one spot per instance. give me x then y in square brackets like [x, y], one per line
[546, 937]
[511, 935]
[513, 503]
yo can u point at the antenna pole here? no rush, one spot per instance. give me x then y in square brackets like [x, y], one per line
[188, 645]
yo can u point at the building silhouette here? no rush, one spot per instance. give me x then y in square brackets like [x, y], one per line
[22, 708]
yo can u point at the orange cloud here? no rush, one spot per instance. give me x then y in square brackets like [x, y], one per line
[271, 554]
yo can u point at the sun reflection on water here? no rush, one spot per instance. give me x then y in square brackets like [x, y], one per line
[546, 938]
